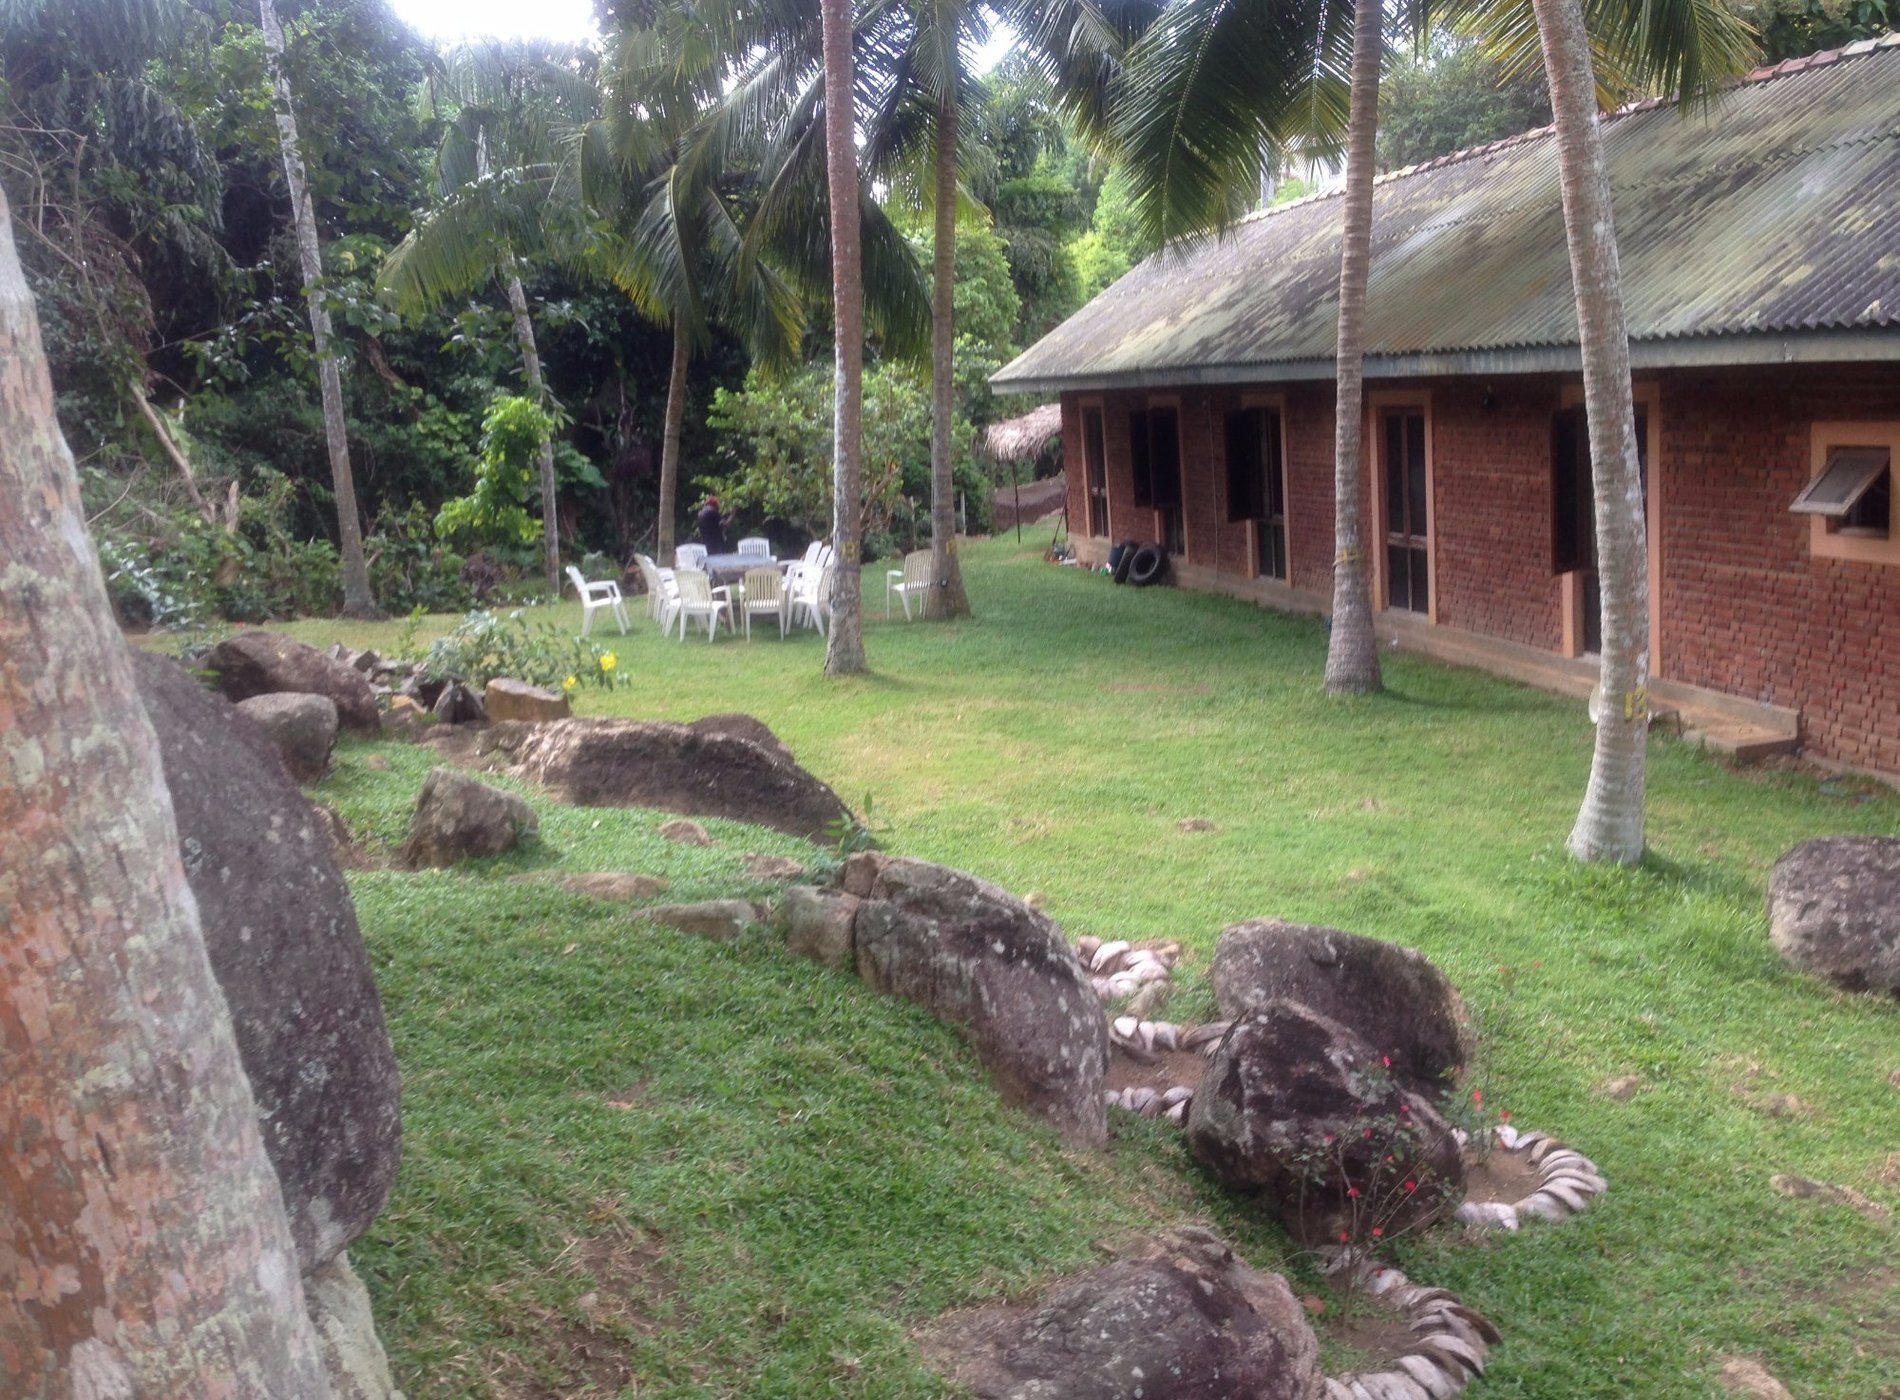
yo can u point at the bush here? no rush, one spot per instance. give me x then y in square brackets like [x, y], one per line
[409, 568]
[485, 645]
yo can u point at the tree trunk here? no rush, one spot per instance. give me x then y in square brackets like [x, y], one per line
[1610, 823]
[357, 601]
[1352, 653]
[947, 597]
[537, 387]
[670, 441]
[844, 651]
[143, 1245]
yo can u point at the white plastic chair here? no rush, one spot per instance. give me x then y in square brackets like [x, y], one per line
[812, 601]
[755, 547]
[699, 599]
[764, 594]
[662, 593]
[594, 597]
[911, 581]
[809, 562]
[690, 556]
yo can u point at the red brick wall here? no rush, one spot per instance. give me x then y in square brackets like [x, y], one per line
[1745, 609]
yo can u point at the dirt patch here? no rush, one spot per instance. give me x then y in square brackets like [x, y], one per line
[1170, 1067]
[587, 1347]
[1499, 1176]
[1361, 1337]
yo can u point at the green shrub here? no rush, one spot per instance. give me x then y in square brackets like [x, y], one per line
[485, 645]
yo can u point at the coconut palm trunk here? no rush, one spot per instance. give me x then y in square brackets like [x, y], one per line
[357, 600]
[670, 438]
[844, 650]
[147, 1252]
[947, 597]
[1610, 824]
[537, 388]
[1352, 653]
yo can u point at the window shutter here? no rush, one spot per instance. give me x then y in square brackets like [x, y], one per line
[1164, 454]
[1244, 467]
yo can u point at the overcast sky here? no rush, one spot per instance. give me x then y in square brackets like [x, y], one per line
[571, 20]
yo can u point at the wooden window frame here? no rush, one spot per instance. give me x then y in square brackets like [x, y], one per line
[1084, 407]
[1826, 543]
[1378, 403]
[1275, 404]
[1646, 395]
[1169, 403]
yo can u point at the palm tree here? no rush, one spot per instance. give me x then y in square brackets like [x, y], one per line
[512, 105]
[357, 601]
[844, 651]
[1216, 81]
[1684, 48]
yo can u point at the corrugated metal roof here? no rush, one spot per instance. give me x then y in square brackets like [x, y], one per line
[1773, 211]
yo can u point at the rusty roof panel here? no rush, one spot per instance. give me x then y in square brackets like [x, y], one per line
[1773, 209]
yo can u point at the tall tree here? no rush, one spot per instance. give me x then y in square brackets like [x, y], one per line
[844, 650]
[1682, 47]
[357, 601]
[497, 179]
[144, 1249]
[947, 596]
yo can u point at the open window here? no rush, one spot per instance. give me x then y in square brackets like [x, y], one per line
[1154, 452]
[1256, 485]
[1095, 462]
[1853, 493]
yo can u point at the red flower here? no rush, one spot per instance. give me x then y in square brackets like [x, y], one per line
[1344, 1238]
[1368, 1132]
[1411, 1186]
[1504, 1115]
[1377, 1232]
[1405, 1108]
[1328, 1139]
[1386, 1060]
[1477, 1096]
[1352, 1190]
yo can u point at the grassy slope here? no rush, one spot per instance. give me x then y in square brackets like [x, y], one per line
[814, 1171]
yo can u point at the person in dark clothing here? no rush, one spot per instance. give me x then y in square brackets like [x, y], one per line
[712, 526]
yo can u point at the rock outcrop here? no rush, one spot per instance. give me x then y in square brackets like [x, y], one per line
[303, 727]
[517, 700]
[1392, 998]
[1181, 1318]
[283, 942]
[979, 958]
[269, 663]
[1834, 910]
[457, 817]
[674, 768]
[1297, 1108]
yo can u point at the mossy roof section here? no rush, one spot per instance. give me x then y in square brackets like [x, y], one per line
[1769, 213]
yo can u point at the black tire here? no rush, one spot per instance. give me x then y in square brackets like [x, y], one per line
[1124, 559]
[1149, 564]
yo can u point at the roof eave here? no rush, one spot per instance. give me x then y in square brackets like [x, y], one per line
[1675, 352]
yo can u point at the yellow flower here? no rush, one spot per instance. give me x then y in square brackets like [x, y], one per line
[608, 661]
[570, 682]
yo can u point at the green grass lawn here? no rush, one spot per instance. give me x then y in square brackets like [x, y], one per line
[636, 1159]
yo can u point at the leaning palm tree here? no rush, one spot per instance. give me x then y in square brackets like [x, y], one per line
[1679, 46]
[511, 108]
[357, 601]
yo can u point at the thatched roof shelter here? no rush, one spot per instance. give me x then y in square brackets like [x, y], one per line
[1025, 438]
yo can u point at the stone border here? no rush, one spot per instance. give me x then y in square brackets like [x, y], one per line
[1568, 1183]
[1452, 1339]
[1140, 1039]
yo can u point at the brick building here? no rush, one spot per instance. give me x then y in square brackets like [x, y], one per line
[1760, 244]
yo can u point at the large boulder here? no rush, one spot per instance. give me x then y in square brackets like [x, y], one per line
[457, 817]
[283, 942]
[269, 663]
[1393, 998]
[303, 727]
[1180, 1318]
[1296, 1107]
[675, 768]
[1834, 909]
[979, 958]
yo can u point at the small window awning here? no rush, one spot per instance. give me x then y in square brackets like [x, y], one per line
[1849, 474]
